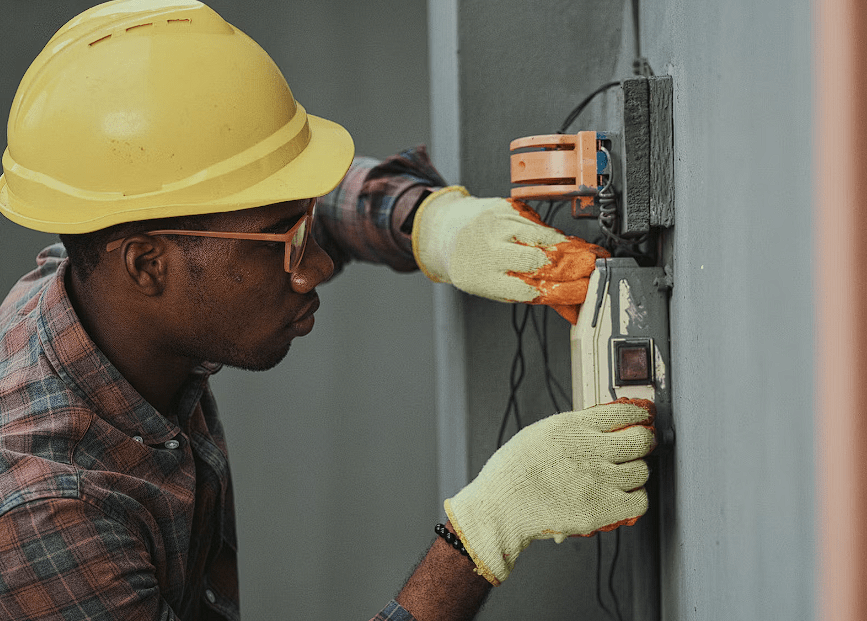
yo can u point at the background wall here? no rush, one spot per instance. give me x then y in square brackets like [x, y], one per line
[333, 451]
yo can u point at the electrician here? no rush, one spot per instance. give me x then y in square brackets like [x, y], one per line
[166, 149]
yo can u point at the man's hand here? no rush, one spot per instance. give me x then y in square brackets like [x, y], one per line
[500, 249]
[574, 473]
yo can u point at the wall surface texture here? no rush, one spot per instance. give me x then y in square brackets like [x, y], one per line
[740, 541]
[333, 451]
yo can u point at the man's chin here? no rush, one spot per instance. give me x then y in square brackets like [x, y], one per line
[259, 363]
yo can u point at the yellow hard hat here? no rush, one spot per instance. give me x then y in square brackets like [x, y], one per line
[141, 109]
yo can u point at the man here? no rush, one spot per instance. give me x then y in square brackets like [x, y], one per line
[186, 214]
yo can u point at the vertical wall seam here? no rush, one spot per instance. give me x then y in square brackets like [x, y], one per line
[449, 342]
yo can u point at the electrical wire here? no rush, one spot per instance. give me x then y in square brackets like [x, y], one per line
[611, 574]
[570, 118]
[599, 599]
[550, 381]
[516, 374]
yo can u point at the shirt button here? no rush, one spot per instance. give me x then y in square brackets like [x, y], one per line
[138, 439]
[209, 594]
[172, 444]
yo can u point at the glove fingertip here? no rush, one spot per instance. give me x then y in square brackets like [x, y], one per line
[569, 312]
[645, 404]
[526, 211]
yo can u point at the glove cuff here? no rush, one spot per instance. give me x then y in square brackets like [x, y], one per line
[425, 259]
[481, 568]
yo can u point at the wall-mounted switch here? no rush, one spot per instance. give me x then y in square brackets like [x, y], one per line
[620, 344]
[632, 169]
[563, 166]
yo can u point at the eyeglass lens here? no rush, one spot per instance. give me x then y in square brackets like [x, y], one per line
[295, 247]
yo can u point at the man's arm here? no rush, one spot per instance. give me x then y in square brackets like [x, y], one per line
[364, 218]
[63, 559]
[397, 212]
[574, 473]
[444, 586]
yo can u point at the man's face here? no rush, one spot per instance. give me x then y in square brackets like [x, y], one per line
[231, 301]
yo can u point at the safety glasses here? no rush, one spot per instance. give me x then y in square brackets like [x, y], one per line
[295, 238]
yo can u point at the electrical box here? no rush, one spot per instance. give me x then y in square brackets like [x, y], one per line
[626, 176]
[620, 344]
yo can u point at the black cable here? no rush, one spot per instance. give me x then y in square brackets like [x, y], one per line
[611, 574]
[566, 396]
[516, 374]
[599, 599]
[580, 107]
[550, 380]
[569, 120]
[543, 345]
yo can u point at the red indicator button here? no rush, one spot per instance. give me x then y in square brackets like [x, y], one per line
[633, 363]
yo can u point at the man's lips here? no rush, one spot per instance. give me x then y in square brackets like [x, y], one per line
[303, 323]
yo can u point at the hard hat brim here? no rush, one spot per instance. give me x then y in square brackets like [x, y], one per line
[316, 171]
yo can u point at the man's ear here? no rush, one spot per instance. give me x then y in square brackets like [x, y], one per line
[146, 262]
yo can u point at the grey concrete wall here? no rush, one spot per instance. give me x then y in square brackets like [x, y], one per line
[333, 452]
[742, 545]
[739, 543]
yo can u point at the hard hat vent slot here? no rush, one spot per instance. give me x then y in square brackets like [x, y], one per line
[171, 22]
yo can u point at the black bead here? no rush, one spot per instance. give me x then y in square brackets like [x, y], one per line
[451, 539]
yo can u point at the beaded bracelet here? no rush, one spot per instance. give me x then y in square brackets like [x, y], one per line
[450, 538]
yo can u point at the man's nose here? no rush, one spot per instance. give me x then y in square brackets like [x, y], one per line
[315, 268]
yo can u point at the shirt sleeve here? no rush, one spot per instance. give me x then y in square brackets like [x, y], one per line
[62, 559]
[393, 612]
[362, 219]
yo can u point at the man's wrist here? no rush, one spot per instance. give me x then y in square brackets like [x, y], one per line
[409, 220]
[444, 586]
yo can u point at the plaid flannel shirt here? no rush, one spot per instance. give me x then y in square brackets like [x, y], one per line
[108, 509]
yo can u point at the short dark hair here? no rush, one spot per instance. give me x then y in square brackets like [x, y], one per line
[85, 250]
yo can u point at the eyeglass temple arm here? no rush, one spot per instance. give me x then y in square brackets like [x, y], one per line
[281, 237]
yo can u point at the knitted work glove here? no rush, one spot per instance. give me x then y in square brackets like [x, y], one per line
[500, 249]
[574, 473]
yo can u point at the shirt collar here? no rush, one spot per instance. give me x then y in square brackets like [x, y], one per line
[87, 372]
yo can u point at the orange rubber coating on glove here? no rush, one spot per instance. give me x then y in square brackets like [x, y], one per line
[651, 409]
[562, 283]
[569, 312]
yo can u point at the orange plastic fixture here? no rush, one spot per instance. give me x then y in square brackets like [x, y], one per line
[557, 167]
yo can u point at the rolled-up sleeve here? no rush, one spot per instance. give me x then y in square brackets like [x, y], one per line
[393, 612]
[362, 219]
